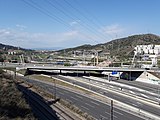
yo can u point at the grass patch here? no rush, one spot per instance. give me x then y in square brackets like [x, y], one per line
[63, 102]
[22, 71]
[49, 79]
[9, 68]
[76, 110]
[80, 90]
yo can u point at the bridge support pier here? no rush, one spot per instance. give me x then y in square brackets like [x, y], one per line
[109, 77]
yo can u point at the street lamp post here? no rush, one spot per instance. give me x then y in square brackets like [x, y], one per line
[14, 74]
[95, 58]
[158, 92]
[111, 110]
[55, 89]
[109, 77]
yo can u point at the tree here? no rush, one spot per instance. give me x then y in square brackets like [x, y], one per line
[1, 60]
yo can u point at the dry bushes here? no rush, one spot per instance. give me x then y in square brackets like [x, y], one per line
[12, 102]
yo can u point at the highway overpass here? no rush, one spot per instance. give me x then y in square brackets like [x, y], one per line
[128, 73]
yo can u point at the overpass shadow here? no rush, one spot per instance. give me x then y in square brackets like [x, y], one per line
[40, 108]
[128, 75]
[78, 74]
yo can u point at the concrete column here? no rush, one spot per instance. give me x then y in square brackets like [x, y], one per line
[130, 75]
[109, 77]
[119, 76]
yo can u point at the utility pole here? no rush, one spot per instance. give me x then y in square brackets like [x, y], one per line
[109, 77]
[84, 57]
[55, 89]
[94, 61]
[15, 72]
[97, 57]
[111, 117]
[159, 93]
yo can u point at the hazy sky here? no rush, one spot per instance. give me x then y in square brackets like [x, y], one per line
[70, 23]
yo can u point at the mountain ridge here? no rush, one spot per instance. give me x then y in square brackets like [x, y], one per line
[121, 46]
[7, 47]
[117, 47]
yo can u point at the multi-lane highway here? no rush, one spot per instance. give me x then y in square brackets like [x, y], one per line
[125, 99]
[93, 107]
[102, 89]
[148, 87]
[123, 86]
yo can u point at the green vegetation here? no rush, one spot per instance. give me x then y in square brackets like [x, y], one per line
[49, 79]
[158, 63]
[117, 50]
[67, 64]
[76, 109]
[22, 71]
[62, 101]
[122, 48]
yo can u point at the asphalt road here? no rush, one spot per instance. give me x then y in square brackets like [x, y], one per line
[127, 100]
[95, 108]
[135, 91]
[145, 86]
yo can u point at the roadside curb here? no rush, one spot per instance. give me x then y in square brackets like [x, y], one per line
[133, 109]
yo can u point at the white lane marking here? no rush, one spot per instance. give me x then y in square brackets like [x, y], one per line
[103, 117]
[74, 98]
[61, 93]
[134, 105]
[108, 113]
[144, 95]
[117, 112]
[139, 103]
[84, 107]
[114, 116]
[132, 92]
[89, 105]
[103, 84]
[79, 96]
[94, 103]
[105, 92]
[68, 100]
[120, 88]
[156, 98]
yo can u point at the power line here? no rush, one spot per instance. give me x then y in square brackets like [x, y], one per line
[49, 14]
[64, 12]
[45, 12]
[70, 16]
[59, 19]
[98, 23]
[85, 17]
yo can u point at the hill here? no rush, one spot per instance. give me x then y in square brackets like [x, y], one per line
[7, 47]
[10, 53]
[120, 47]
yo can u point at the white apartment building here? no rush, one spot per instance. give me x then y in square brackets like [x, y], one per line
[147, 49]
[151, 51]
